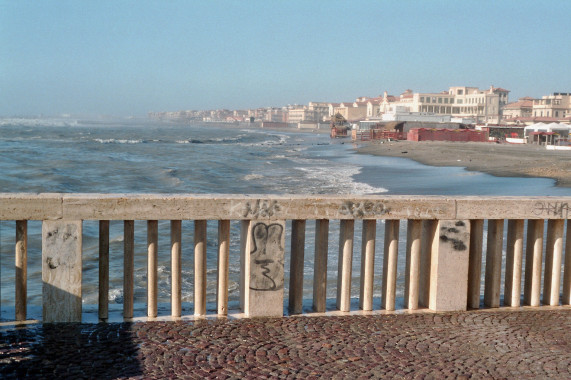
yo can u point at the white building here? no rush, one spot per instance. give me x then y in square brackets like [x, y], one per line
[461, 101]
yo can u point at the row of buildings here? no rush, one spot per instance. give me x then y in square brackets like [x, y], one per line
[459, 104]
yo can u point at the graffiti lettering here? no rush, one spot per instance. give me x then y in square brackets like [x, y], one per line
[559, 209]
[261, 209]
[363, 209]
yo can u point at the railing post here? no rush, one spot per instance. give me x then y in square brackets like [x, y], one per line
[475, 262]
[429, 242]
[262, 263]
[61, 270]
[367, 264]
[493, 263]
[152, 267]
[345, 264]
[128, 268]
[533, 254]
[553, 253]
[412, 272]
[295, 300]
[21, 269]
[390, 259]
[103, 270]
[567, 269]
[176, 236]
[449, 266]
[514, 258]
[223, 263]
[199, 267]
[320, 265]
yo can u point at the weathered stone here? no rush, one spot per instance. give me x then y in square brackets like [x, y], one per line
[449, 266]
[61, 271]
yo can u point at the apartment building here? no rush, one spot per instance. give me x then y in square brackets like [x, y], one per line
[522, 108]
[557, 105]
[321, 110]
[296, 115]
[484, 106]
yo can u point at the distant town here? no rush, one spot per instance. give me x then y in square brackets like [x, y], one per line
[455, 108]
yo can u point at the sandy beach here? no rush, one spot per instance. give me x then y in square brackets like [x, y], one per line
[502, 160]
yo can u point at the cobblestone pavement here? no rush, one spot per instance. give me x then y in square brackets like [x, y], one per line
[478, 344]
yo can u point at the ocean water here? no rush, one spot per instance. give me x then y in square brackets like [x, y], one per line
[149, 157]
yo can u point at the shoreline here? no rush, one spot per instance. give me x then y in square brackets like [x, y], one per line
[501, 160]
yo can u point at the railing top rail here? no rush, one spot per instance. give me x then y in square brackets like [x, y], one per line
[52, 206]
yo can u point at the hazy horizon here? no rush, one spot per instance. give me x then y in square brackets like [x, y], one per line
[132, 57]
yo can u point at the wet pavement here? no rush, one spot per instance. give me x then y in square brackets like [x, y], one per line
[476, 344]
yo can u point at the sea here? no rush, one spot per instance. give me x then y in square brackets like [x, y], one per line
[145, 156]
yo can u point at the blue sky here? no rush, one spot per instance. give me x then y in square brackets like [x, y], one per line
[130, 57]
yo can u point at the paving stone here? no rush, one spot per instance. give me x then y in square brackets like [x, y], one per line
[475, 344]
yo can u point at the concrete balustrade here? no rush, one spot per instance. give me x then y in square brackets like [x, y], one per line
[443, 256]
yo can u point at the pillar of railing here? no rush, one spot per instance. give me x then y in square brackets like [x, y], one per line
[533, 256]
[345, 264]
[567, 269]
[176, 268]
[475, 262]
[514, 260]
[412, 271]
[152, 267]
[493, 263]
[553, 256]
[199, 267]
[223, 262]
[295, 301]
[367, 264]
[21, 269]
[103, 310]
[390, 259]
[320, 265]
[128, 268]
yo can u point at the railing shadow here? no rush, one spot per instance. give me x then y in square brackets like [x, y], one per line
[69, 350]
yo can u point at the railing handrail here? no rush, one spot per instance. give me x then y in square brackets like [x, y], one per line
[95, 206]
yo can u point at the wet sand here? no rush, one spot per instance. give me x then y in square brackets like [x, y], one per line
[503, 160]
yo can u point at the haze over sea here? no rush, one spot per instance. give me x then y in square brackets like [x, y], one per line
[149, 157]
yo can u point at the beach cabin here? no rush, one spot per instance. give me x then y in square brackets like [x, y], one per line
[547, 134]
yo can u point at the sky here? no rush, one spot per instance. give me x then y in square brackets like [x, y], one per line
[127, 58]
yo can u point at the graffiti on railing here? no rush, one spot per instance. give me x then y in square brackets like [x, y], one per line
[559, 209]
[363, 209]
[266, 257]
[256, 209]
[450, 235]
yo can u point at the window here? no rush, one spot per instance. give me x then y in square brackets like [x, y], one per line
[445, 100]
[440, 100]
[422, 98]
[459, 101]
[433, 99]
[460, 92]
[451, 100]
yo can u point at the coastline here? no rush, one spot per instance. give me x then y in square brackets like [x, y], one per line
[502, 160]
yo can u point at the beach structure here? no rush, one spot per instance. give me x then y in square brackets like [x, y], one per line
[444, 250]
[547, 134]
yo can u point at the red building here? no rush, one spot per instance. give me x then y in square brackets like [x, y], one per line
[424, 134]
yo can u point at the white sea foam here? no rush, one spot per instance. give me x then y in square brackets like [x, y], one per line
[118, 141]
[339, 179]
[251, 177]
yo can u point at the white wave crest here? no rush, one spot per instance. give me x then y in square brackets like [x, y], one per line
[117, 141]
